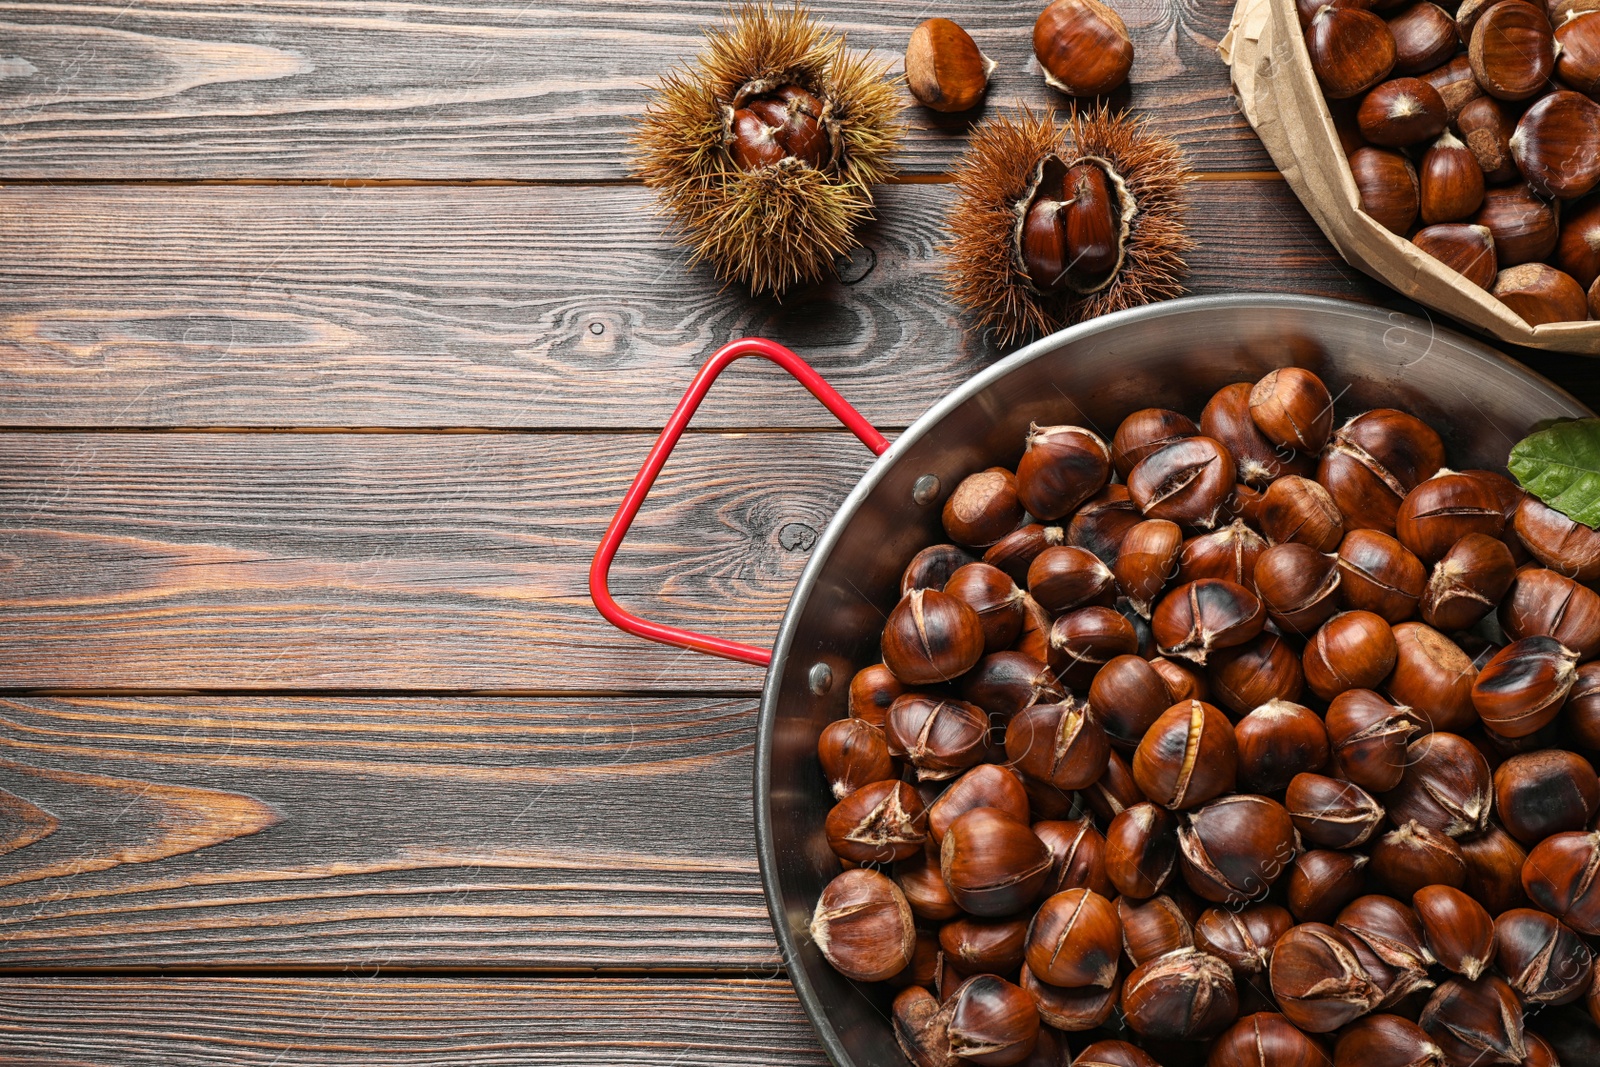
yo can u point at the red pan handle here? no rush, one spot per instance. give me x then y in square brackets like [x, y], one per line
[599, 571]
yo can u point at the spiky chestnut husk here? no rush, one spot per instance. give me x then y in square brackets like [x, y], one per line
[784, 224]
[995, 179]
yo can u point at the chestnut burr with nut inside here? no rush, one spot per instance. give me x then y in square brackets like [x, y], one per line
[1320, 778]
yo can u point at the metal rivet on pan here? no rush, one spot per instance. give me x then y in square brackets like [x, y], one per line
[926, 489]
[821, 678]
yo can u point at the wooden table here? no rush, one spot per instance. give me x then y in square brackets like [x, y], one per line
[332, 333]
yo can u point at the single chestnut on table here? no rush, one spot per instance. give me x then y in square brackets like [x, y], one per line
[1083, 47]
[944, 68]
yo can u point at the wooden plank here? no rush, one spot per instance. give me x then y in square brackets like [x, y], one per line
[392, 561]
[462, 833]
[507, 307]
[547, 1022]
[489, 89]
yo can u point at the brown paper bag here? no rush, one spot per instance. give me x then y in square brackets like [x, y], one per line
[1278, 93]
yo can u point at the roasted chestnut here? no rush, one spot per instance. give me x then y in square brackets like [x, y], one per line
[1368, 738]
[1061, 468]
[853, 753]
[1330, 812]
[1545, 961]
[1102, 522]
[1062, 744]
[984, 946]
[932, 567]
[1263, 670]
[1460, 933]
[1233, 849]
[1378, 574]
[985, 786]
[919, 879]
[1230, 552]
[1390, 931]
[941, 738]
[1583, 706]
[878, 823]
[1542, 602]
[1548, 792]
[1084, 640]
[1153, 928]
[1141, 850]
[1258, 460]
[1019, 548]
[1147, 560]
[1494, 869]
[1188, 757]
[1444, 509]
[1279, 741]
[992, 1023]
[994, 864]
[1522, 688]
[1298, 585]
[1181, 996]
[1446, 786]
[1374, 461]
[1299, 510]
[872, 690]
[1558, 542]
[1113, 1054]
[1067, 577]
[1476, 1021]
[1386, 1041]
[1265, 1039]
[863, 926]
[1077, 856]
[1114, 793]
[1467, 582]
[1560, 877]
[1075, 939]
[1432, 677]
[931, 637]
[1242, 937]
[1203, 615]
[1322, 881]
[1317, 979]
[1145, 431]
[1004, 683]
[1127, 696]
[983, 508]
[1407, 859]
[1186, 482]
[1352, 650]
[999, 604]
[1292, 407]
[1185, 680]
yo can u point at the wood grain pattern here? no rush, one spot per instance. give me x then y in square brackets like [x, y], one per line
[546, 1022]
[504, 307]
[491, 89]
[467, 833]
[390, 561]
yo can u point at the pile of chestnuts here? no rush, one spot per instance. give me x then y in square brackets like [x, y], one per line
[1475, 133]
[1245, 741]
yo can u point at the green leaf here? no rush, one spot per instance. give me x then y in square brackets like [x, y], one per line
[1561, 466]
